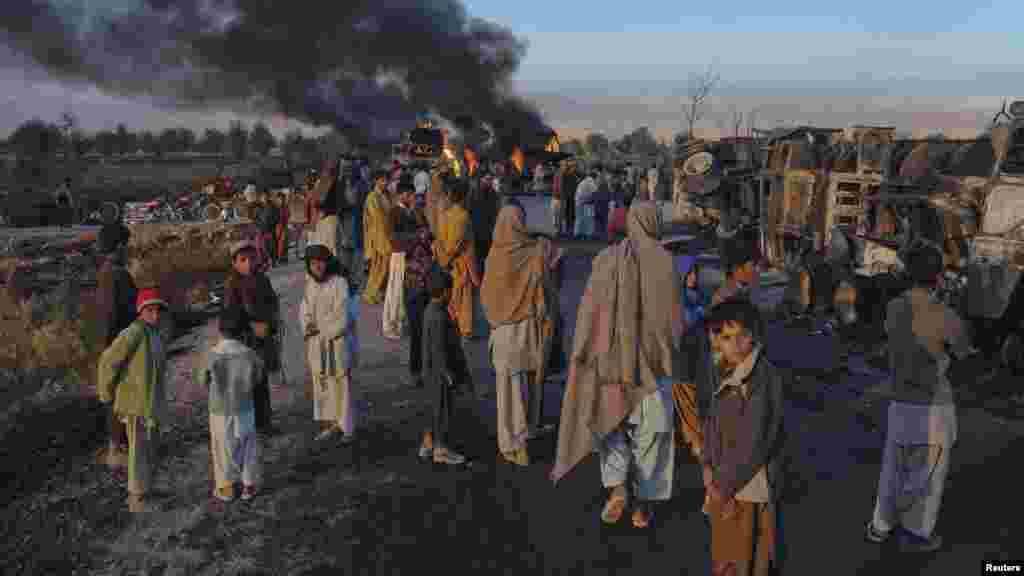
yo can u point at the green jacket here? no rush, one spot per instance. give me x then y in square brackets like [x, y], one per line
[133, 366]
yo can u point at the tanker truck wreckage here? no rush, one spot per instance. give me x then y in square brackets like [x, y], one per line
[836, 209]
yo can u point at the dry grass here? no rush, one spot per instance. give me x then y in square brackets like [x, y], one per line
[57, 332]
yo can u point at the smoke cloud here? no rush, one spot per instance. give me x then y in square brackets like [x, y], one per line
[365, 67]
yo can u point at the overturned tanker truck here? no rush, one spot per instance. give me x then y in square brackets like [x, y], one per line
[843, 206]
[968, 199]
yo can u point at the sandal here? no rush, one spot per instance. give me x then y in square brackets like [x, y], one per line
[613, 510]
[248, 492]
[426, 446]
[643, 517]
[519, 457]
[446, 456]
[325, 434]
[225, 494]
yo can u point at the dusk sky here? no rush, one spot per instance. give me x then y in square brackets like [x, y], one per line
[615, 69]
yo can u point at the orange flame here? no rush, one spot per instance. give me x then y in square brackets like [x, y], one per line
[517, 159]
[471, 160]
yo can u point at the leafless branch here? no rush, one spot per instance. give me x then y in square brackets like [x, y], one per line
[701, 86]
[737, 122]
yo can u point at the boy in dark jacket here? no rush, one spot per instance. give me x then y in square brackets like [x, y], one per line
[251, 289]
[743, 445]
[439, 338]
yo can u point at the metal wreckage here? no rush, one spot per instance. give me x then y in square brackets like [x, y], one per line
[837, 208]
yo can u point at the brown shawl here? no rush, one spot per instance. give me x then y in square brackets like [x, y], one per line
[624, 342]
[513, 285]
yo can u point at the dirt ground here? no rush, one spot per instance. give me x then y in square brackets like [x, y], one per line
[374, 509]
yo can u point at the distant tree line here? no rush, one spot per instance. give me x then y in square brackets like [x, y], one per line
[597, 147]
[40, 140]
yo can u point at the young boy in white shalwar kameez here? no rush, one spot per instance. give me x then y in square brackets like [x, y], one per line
[231, 372]
[329, 328]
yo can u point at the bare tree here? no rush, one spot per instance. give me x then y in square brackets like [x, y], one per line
[701, 86]
[752, 122]
[737, 122]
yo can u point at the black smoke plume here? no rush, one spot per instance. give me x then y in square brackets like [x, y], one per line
[365, 67]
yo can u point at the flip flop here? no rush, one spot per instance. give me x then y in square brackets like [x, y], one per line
[642, 520]
[613, 510]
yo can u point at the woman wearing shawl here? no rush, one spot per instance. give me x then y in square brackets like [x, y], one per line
[455, 251]
[689, 408]
[377, 227]
[518, 298]
[624, 363]
[328, 326]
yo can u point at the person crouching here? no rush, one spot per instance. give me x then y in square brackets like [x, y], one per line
[329, 336]
[232, 371]
[134, 365]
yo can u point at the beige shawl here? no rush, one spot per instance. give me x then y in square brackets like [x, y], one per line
[627, 337]
[513, 285]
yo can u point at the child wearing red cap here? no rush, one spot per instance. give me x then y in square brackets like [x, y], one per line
[134, 364]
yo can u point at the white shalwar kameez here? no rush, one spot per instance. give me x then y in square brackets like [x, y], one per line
[332, 353]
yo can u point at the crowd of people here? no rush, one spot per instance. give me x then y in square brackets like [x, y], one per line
[657, 362]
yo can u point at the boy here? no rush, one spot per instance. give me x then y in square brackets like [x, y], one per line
[232, 371]
[251, 289]
[134, 365]
[922, 415]
[439, 336]
[743, 445]
[328, 326]
[741, 273]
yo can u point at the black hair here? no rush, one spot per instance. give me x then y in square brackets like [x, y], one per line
[737, 253]
[405, 184]
[513, 201]
[924, 262]
[741, 311]
[233, 322]
[457, 190]
[438, 281]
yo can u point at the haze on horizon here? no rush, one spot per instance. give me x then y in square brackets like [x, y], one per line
[614, 71]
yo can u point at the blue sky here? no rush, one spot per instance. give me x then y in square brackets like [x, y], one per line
[593, 51]
[874, 48]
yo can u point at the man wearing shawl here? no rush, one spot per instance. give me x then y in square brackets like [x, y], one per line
[377, 227]
[328, 327]
[455, 251]
[520, 301]
[624, 362]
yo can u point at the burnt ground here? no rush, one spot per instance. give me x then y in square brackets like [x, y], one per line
[375, 509]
